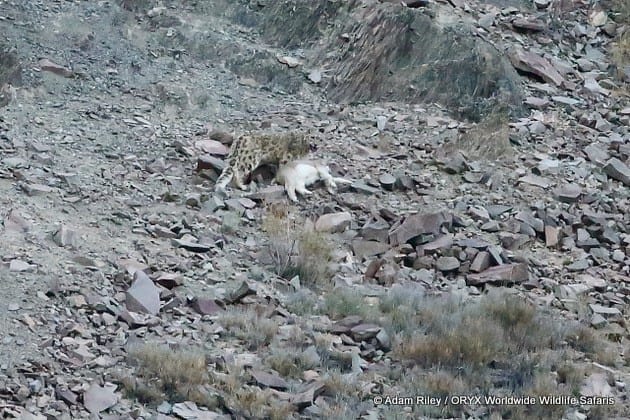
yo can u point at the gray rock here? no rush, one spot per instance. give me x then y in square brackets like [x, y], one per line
[447, 264]
[333, 222]
[387, 181]
[143, 296]
[618, 170]
[568, 193]
[98, 398]
[364, 248]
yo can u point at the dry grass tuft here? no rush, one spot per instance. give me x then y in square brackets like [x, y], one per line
[498, 344]
[166, 373]
[296, 251]
[248, 325]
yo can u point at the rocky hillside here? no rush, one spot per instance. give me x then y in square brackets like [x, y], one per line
[482, 249]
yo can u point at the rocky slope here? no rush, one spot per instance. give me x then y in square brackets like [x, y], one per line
[483, 248]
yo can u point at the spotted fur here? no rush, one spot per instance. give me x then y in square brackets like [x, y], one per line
[249, 151]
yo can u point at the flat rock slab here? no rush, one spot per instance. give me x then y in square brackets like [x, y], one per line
[618, 170]
[363, 248]
[531, 62]
[143, 296]
[502, 274]
[98, 398]
[418, 224]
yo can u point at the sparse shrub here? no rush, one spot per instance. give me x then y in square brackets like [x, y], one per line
[292, 362]
[343, 301]
[248, 326]
[164, 372]
[296, 251]
[498, 344]
[302, 302]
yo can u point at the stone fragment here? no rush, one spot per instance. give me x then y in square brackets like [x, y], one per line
[47, 65]
[270, 380]
[98, 398]
[364, 331]
[191, 246]
[481, 262]
[419, 224]
[530, 62]
[579, 265]
[533, 25]
[306, 398]
[568, 193]
[64, 236]
[375, 229]
[210, 162]
[212, 147]
[33, 190]
[64, 394]
[206, 306]
[606, 311]
[362, 187]
[19, 266]
[618, 170]
[245, 289]
[552, 236]
[591, 85]
[502, 274]
[598, 321]
[535, 180]
[387, 181]
[143, 296]
[363, 248]
[333, 222]
[596, 154]
[536, 103]
[598, 18]
[447, 264]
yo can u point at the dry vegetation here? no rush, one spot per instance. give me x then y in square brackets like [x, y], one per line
[297, 250]
[497, 344]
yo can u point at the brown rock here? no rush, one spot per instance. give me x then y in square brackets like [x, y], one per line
[205, 306]
[531, 62]
[418, 224]
[552, 236]
[481, 262]
[502, 274]
[47, 65]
